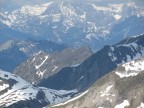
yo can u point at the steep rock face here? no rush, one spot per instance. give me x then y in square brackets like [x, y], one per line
[43, 66]
[122, 88]
[77, 23]
[14, 52]
[15, 92]
[97, 65]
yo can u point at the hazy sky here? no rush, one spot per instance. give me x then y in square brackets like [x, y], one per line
[15, 3]
[10, 4]
[18, 2]
[21, 2]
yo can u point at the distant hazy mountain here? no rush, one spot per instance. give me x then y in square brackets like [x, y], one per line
[8, 33]
[43, 65]
[122, 88]
[77, 22]
[97, 65]
[14, 52]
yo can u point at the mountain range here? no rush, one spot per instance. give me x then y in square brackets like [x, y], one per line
[71, 54]
[77, 23]
[71, 86]
[96, 66]
[122, 88]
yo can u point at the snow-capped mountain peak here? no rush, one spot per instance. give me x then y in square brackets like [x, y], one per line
[34, 10]
[14, 89]
[16, 92]
[79, 21]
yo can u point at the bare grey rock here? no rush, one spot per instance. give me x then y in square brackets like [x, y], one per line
[43, 65]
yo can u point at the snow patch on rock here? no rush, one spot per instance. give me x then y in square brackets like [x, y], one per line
[123, 105]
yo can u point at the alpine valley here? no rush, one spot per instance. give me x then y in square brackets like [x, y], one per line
[71, 54]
